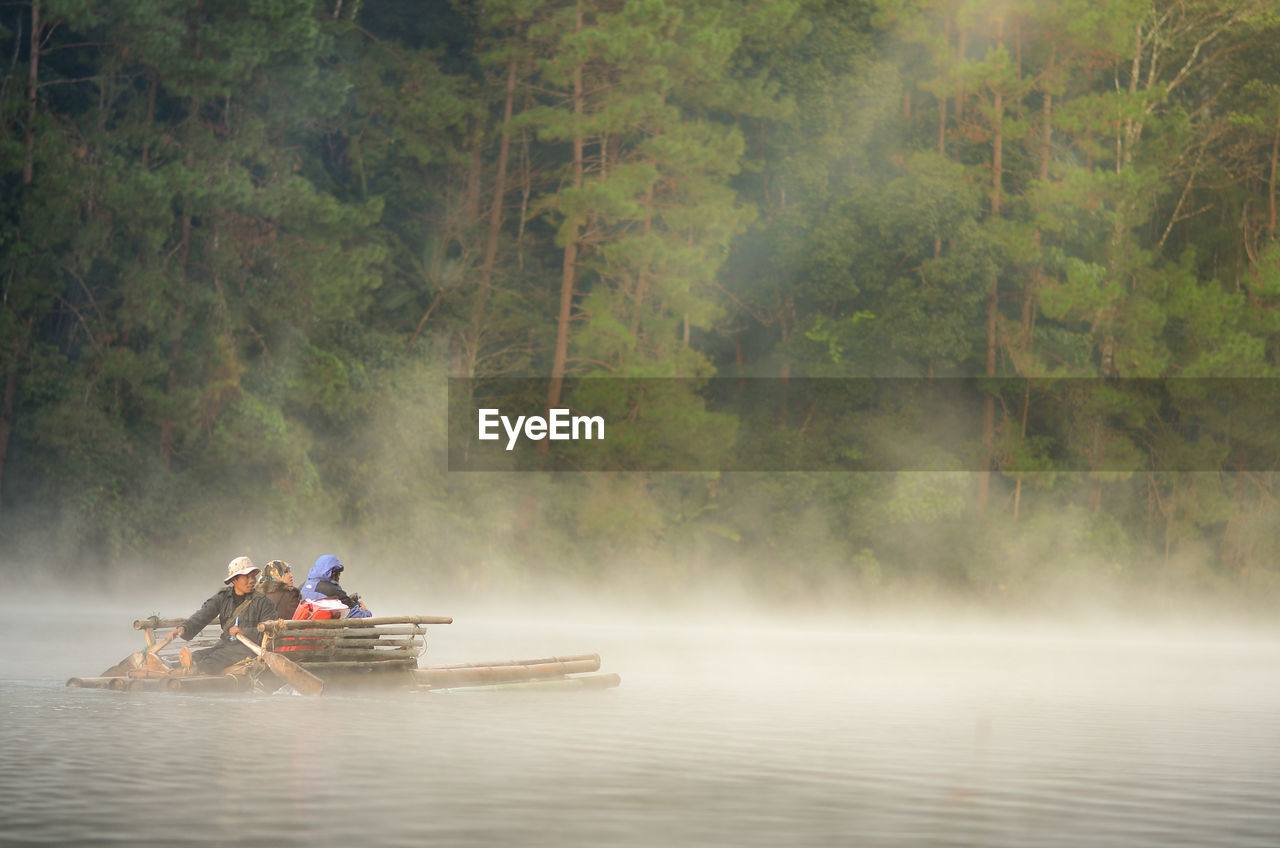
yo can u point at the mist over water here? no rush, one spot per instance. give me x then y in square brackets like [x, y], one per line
[741, 732]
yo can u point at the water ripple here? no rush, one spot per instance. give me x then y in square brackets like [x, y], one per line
[850, 743]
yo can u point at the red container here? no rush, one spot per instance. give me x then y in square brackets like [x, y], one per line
[313, 611]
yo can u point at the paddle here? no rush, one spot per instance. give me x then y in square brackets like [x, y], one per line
[297, 676]
[155, 649]
[137, 660]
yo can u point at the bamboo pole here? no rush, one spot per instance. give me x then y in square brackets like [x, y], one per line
[502, 674]
[91, 682]
[318, 643]
[500, 663]
[139, 684]
[156, 623]
[211, 634]
[329, 637]
[280, 625]
[206, 683]
[309, 657]
[384, 630]
[348, 651]
[145, 673]
[304, 624]
[322, 668]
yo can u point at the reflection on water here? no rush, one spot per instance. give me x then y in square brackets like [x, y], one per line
[716, 738]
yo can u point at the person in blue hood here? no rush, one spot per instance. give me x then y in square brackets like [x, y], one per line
[322, 582]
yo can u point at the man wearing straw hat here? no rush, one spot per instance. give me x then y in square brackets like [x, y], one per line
[239, 609]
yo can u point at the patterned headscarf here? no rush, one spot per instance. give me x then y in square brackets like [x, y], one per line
[276, 570]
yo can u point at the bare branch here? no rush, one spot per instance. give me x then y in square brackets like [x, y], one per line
[1175, 217]
[71, 80]
[1185, 70]
[83, 323]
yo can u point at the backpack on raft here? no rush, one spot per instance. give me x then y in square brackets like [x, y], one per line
[323, 608]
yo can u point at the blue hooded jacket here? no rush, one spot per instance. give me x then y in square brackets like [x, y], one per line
[322, 572]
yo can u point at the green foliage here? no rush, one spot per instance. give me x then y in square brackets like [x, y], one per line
[241, 246]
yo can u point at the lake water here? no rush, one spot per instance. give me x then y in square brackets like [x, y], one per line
[718, 736]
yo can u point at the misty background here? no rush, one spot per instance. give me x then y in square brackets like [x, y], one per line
[244, 247]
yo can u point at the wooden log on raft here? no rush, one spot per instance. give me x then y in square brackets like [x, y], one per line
[345, 652]
[323, 668]
[500, 663]
[130, 684]
[148, 673]
[309, 657]
[394, 630]
[280, 625]
[306, 657]
[91, 682]
[144, 684]
[311, 643]
[207, 683]
[157, 623]
[487, 675]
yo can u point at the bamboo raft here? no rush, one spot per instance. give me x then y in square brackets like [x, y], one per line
[346, 654]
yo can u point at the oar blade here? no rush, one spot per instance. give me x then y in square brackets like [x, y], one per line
[297, 676]
[126, 665]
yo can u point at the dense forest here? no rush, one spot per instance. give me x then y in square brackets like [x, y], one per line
[244, 246]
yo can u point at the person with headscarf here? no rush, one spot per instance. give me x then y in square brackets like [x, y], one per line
[277, 584]
[322, 582]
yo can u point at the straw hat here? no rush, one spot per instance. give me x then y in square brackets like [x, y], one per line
[239, 566]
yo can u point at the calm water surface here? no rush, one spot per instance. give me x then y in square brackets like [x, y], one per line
[717, 737]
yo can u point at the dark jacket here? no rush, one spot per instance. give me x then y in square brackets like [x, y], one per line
[285, 597]
[329, 589]
[222, 605]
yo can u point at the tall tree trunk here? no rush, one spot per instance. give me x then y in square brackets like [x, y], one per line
[28, 168]
[6, 416]
[166, 427]
[154, 84]
[33, 81]
[569, 270]
[1017, 490]
[473, 176]
[8, 408]
[1037, 278]
[942, 119]
[175, 347]
[495, 225]
[993, 308]
[1271, 189]
[642, 279]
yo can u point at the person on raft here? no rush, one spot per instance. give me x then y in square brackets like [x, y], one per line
[277, 584]
[322, 582]
[239, 609]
